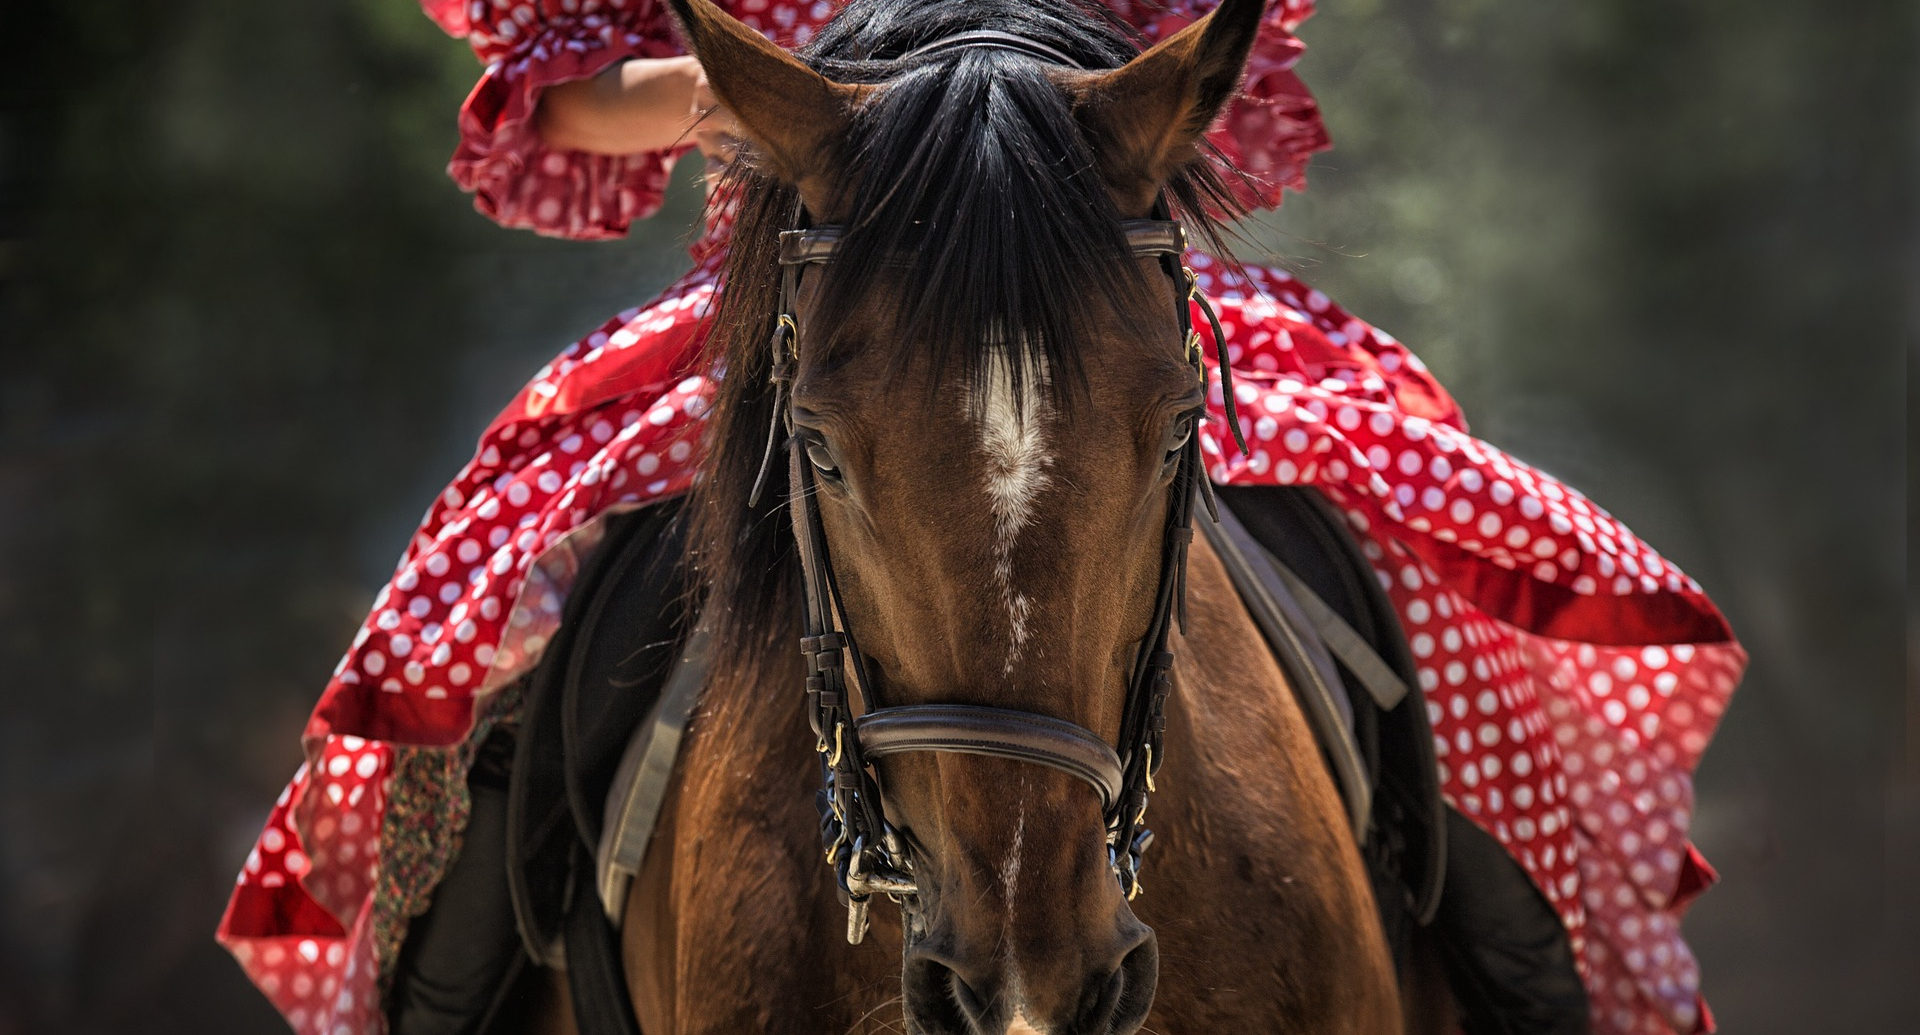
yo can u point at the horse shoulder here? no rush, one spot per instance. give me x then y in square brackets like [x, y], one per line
[732, 924]
[1256, 873]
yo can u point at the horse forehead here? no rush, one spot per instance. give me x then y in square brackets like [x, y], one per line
[1011, 408]
[1001, 415]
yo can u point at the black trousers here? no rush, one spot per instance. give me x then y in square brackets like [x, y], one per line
[1506, 952]
[464, 953]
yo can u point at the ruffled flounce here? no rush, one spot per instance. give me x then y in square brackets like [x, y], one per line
[1572, 675]
[523, 183]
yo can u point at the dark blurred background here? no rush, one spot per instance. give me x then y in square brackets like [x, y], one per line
[247, 329]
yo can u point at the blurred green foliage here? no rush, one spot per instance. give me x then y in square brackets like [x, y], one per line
[1665, 251]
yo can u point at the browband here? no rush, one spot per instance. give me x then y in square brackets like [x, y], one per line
[990, 39]
[1145, 237]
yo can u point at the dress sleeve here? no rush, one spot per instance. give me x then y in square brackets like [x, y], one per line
[528, 45]
[1271, 130]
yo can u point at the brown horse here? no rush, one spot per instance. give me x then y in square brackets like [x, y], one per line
[993, 406]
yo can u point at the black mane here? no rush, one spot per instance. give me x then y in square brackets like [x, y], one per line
[974, 183]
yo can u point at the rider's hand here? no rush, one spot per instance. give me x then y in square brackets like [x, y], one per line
[715, 130]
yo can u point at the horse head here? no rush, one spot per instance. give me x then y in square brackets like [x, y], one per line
[992, 401]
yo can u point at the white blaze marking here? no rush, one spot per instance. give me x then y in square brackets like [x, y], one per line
[1010, 870]
[1010, 886]
[1016, 472]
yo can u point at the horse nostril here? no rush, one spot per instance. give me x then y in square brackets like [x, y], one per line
[1120, 1006]
[972, 1005]
[1101, 1002]
[961, 993]
[940, 1001]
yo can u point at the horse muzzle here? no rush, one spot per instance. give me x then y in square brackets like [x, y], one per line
[1086, 989]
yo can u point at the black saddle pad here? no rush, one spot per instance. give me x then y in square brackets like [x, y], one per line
[617, 640]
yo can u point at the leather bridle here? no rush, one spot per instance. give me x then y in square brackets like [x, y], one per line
[868, 854]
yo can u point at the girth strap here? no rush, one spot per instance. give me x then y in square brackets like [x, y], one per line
[999, 733]
[1308, 666]
[1382, 684]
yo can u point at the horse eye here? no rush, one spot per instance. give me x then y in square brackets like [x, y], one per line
[822, 460]
[1177, 442]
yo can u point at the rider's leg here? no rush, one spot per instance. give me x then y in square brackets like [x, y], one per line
[464, 956]
[1506, 951]
[462, 949]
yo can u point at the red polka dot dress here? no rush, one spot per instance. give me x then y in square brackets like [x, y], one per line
[1573, 676]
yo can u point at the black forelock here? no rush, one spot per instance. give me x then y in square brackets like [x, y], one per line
[974, 189]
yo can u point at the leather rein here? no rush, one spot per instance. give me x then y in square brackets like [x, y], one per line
[867, 853]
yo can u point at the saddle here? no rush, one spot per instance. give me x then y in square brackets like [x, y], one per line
[617, 647]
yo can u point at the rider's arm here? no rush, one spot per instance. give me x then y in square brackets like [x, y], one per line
[639, 105]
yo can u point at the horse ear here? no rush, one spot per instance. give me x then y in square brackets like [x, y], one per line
[1147, 117]
[795, 116]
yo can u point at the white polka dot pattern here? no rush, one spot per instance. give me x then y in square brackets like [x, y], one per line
[528, 45]
[1574, 753]
[292, 891]
[477, 595]
[1573, 676]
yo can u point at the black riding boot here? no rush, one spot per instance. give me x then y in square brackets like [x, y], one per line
[1506, 952]
[464, 949]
